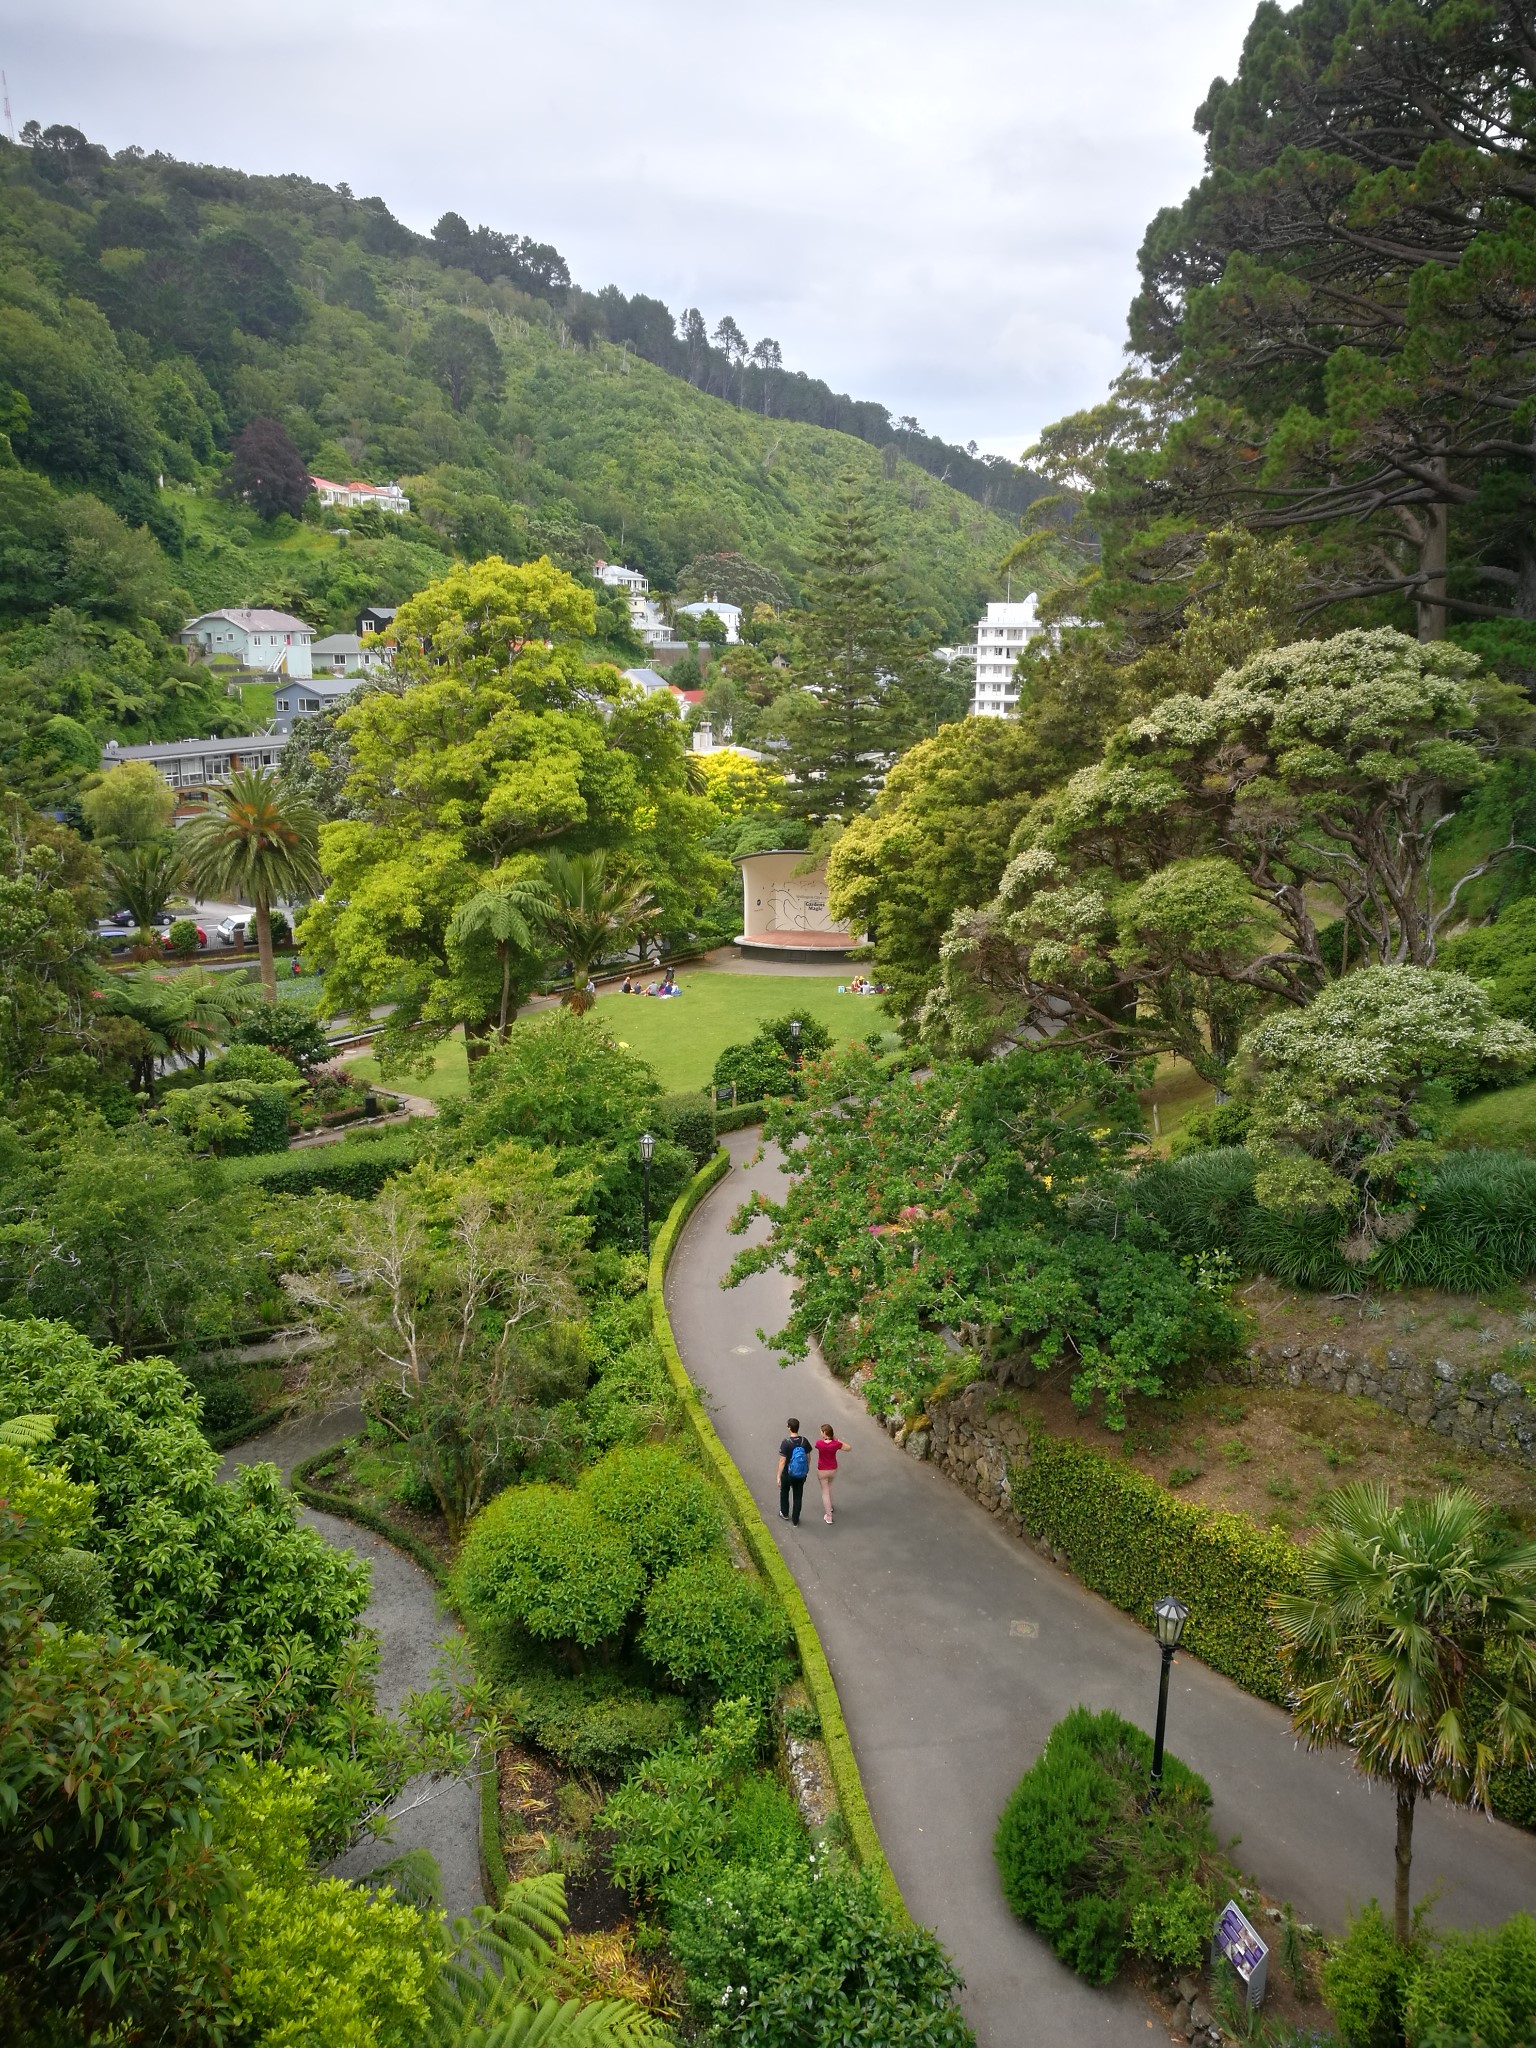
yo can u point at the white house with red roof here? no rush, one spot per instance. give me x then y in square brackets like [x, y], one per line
[275, 643]
[383, 497]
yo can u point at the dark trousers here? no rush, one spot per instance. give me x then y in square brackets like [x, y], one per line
[790, 1492]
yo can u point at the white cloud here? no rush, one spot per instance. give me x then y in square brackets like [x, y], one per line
[936, 206]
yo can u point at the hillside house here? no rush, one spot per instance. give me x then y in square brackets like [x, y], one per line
[376, 618]
[271, 643]
[355, 495]
[343, 654]
[729, 616]
[305, 700]
[196, 764]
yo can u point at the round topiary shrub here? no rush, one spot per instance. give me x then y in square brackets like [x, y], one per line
[664, 1506]
[539, 1559]
[250, 1063]
[1078, 1850]
[708, 1625]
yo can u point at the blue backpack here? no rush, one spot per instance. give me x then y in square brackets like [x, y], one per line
[799, 1458]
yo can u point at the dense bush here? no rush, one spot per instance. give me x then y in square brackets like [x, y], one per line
[1207, 1130]
[1482, 1983]
[815, 1038]
[1132, 1541]
[595, 1721]
[217, 1576]
[250, 1063]
[1203, 1199]
[708, 1624]
[289, 1027]
[1365, 1982]
[1078, 1849]
[539, 1559]
[689, 1121]
[357, 1167]
[267, 1109]
[662, 1503]
[1477, 1230]
[755, 1069]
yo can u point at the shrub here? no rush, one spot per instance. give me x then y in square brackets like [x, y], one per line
[357, 1167]
[250, 1063]
[1202, 1200]
[755, 1068]
[708, 1624]
[540, 1559]
[597, 1722]
[267, 1108]
[1477, 1229]
[815, 1038]
[1482, 1983]
[209, 1574]
[1174, 1928]
[181, 939]
[1130, 1541]
[1079, 1853]
[1219, 1128]
[663, 1506]
[289, 1027]
[689, 1121]
[1365, 1981]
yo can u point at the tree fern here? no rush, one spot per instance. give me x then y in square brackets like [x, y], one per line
[26, 1432]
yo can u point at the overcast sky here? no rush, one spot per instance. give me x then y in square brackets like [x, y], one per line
[936, 203]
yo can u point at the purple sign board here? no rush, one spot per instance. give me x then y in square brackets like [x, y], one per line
[1239, 1941]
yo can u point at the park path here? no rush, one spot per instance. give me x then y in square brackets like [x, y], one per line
[403, 1607]
[956, 1647]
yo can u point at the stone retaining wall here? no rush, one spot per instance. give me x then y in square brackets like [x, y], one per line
[974, 1439]
[1480, 1411]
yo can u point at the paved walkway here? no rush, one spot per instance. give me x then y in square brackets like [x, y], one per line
[403, 1607]
[955, 1649]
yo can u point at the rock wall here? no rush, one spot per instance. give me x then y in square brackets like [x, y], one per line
[1488, 1412]
[975, 1440]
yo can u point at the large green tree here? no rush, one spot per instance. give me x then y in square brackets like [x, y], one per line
[1160, 895]
[504, 746]
[866, 684]
[1334, 329]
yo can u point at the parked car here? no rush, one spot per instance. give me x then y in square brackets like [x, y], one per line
[119, 921]
[236, 927]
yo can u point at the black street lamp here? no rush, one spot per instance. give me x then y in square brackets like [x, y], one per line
[1168, 1619]
[647, 1147]
[794, 1034]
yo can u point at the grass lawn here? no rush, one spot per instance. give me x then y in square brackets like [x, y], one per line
[684, 1036]
[1504, 1120]
[449, 1075]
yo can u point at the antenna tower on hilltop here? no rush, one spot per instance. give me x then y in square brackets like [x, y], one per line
[5, 95]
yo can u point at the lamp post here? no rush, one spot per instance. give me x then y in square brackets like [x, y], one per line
[647, 1147]
[1168, 1619]
[794, 1036]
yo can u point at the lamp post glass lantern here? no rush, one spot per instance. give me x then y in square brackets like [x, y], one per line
[794, 1033]
[647, 1147]
[1168, 1619]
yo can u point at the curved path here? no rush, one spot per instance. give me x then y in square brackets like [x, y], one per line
[403, 1606]
[955, 1648]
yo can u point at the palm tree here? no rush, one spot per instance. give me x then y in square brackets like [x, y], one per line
[589, 915]
[257, 843]
[1413, 1643]
[146, 877]
[510, 915]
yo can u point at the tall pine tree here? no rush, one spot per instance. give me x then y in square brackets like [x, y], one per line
[865, 680]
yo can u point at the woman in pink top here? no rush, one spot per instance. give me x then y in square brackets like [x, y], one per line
[827, 1448]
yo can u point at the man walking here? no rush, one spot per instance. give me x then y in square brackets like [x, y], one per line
[794, 1463]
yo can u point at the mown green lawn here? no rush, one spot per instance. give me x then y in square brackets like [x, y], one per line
[1504, 1120]
[684, 1036]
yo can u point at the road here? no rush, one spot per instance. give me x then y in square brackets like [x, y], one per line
[956, 1648]
[403, 1608]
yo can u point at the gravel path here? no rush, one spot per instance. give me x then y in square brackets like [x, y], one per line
[955, 1648]
[404, 1608]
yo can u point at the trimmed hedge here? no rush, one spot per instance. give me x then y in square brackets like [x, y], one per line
[813, 1662]
[1130, 1540]
[356, 1167]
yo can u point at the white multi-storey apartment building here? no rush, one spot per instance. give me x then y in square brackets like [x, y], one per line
[1001, 638]
[645, 615]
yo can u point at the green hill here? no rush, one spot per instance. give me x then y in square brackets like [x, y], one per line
[149, 309]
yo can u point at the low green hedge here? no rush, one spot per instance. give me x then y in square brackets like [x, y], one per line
[1133, 1542]
[813, 1662]
[353, 1166]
